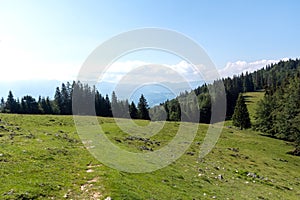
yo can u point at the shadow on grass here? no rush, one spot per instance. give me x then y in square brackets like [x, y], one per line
[274, 137]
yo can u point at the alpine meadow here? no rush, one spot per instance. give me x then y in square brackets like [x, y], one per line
[43, 157]
[149, 100]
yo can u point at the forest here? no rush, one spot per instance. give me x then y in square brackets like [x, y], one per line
[278, 113]
[62, 103]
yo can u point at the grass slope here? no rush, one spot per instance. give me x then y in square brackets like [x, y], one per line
[41, 157]
[251, 99]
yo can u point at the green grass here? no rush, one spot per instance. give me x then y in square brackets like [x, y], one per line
[42, 157]
[251, 99]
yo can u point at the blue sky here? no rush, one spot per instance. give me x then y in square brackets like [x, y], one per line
[40, 38]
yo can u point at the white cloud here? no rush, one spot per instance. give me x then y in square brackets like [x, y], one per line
[117, 70]
[238, 67]
[139, 71]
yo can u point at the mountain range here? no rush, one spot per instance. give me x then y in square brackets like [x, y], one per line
[154, 93]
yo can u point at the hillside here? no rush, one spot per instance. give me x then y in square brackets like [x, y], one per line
[251, 99]
[41, 157]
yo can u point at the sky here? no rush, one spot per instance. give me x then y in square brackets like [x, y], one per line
[50, 40]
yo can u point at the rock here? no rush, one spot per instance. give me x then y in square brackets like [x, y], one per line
[130, 138]
[12, 135]
[220, 177]
[235, 155]
[200, 170]
[234, 149]
[246, 157]
[145, 148]
[190, 153]
[118, 140]
[96, 195]
[282, 160]
[296, 152]
[253, 175]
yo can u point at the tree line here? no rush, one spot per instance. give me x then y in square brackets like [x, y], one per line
[269, 78]
[278, 113]
[185, 107]
[62, 103]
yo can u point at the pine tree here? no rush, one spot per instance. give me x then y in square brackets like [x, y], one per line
[29, 105]
[11, 105]
[2, 104]
[98, 103]
[115, 107]
[45, 106]
[64, 100]
[107, 107]
[205, 108]
[166, 105]
[58, 100]
[133, 111]
[175, 111]
[125, 109]
[264, 115]
[143, 109]
[240, 116]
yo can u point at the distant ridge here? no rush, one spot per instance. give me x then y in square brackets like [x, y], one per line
[46, 88]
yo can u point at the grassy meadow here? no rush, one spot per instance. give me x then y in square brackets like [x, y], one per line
[251, 99]
[42, 157]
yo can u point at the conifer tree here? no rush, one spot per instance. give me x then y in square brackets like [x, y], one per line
[240, 116]
[107, 107]
[29, 105]
[143, 108]
[2, 104]
[58, 100]
[133, 111]
[115, 107]
[11, 104]
[64, 100]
